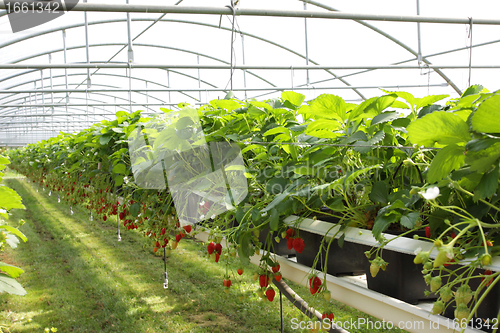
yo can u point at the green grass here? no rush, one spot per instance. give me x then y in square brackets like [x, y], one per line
[79, 278]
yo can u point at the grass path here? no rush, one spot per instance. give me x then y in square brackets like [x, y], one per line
[79, 278]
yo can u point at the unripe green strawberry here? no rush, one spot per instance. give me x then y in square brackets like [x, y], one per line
[438, 243]
[446, 294]
[435, 283]
[437, 308]
[486, 259]
[421, 257]
[428, 265]
[463, 295]
[374, 268]
[428, 278]
[461, 313]
[445, 254]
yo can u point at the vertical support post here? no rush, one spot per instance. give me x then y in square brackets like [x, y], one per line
[87, 105]
[130, 49]
[147, 96]
[470, 48]
[419, 55]
[243, 58]
[89, 84]
[43, 102]
[307, 45]
[52, 93]
[199, 79]
[118, 227]
[168, 84]
[165, 283]
[31, 112]
[130, 86]
[65, 73]
[281, 312]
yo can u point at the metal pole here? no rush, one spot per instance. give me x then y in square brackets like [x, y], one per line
[307, 47]
[65, 69]
[130, 87]
[43, 95]
[51, 88]
[281, 312]
[249, 67]
[199, 77]
[87, 46]
[419, 55]
[168, 85]
[214, 89]
[120, 8]
[147, 95]
[129, 33]
[243, 58]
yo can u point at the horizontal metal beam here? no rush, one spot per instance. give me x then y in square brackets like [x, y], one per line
[39, 105]
[63, 115]
[45, 91]
[122, 8]
[242, 67]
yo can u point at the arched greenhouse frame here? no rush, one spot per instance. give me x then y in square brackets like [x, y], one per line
[272, 129]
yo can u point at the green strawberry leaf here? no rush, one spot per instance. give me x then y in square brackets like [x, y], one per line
[13, 271]
[440, 127]
[488, 185]
[446, 160]
[11, 286]
[274, 220]
[486, 119]
[9, 199]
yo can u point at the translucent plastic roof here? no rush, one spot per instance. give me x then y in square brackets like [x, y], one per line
[178, 50]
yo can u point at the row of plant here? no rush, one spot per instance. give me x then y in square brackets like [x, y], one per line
[9, 234]
[392, 163]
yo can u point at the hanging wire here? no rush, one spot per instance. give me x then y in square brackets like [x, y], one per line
[470, 48]
[335, 145]
[233, 37]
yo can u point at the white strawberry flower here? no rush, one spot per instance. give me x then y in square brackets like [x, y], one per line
[430, 193]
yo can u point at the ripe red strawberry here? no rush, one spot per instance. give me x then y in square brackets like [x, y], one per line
[226, 283]
[490, 280]
[104, 218]
[121, 215]
[178, 238]
[290, 233]
[270, 293]
[328, 315]
[211, 247]
[278, 276]
[218, 248]
[263, 281]
[289, 243]
[298, 244]
[187, 228]
[314, 284]
[163, 230]
[217, 256]
[155, 249]
[428, 232]
[276, 268]
[157, 244]
[240, 271]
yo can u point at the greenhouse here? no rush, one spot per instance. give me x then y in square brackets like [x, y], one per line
[249, 166]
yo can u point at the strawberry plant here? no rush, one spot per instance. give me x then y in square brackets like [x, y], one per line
[9, 235]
